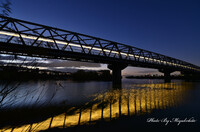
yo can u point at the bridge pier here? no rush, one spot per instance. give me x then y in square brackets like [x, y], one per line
[167, 73]
[116, 73]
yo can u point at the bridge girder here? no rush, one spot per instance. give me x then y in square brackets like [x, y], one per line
[31, 39]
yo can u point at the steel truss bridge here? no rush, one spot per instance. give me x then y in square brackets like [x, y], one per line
[18, 37]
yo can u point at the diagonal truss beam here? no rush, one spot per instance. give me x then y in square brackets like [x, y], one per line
[37, 35]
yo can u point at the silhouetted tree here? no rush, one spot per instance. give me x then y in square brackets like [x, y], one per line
[5, 8]
[6, 88]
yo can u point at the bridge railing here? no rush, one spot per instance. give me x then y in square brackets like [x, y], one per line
[27, 33]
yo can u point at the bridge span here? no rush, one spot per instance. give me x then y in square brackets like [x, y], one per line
[19, 37]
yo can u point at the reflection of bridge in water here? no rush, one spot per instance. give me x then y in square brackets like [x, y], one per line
[113, 104]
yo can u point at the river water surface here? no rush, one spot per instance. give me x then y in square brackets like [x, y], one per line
[58, 105]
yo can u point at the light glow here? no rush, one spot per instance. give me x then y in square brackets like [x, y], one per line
[93, 48]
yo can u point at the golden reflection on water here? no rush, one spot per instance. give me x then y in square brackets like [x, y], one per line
[139, 99]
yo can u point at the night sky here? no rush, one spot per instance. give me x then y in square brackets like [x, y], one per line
[169, 27]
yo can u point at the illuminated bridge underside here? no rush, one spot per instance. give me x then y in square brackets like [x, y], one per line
[30, 39]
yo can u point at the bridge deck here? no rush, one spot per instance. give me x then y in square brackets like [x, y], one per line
[31, 39]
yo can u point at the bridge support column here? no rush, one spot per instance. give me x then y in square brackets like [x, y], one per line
[167, 73]
[116, 73]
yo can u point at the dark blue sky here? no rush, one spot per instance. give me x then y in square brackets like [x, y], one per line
[169, 27]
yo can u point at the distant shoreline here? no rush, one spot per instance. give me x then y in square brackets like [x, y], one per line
[162, 77]
[23, 74]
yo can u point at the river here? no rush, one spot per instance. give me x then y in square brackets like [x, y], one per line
[65, 105]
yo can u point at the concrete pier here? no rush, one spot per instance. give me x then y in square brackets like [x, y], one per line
[117, 73]
[167, 73]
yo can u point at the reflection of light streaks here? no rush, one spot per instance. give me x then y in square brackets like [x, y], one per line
[113, 104]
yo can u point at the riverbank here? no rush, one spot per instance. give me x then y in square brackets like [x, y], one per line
[22, 73]
[178, 77]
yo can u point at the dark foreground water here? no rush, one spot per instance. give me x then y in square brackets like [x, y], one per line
[97, 106]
